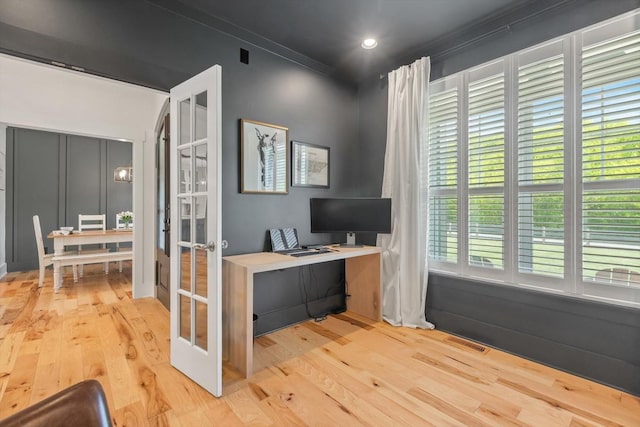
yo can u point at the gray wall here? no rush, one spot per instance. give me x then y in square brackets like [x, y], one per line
[143, 43]
[596, 340]
[57, 177]
[588, 338]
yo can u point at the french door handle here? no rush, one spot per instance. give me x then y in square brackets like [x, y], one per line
[211, 246]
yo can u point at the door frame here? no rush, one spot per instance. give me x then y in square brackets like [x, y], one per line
[164, 111]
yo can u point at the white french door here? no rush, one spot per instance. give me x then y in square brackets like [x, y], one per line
[196, 332]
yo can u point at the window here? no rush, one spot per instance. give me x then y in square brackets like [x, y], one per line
[534, 166]
[443, 173]
[540, 168]
[611, 162]
[485, 166]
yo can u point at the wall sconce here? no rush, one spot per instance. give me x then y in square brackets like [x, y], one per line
[123, 174]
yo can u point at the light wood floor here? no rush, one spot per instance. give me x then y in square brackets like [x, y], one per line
[344, 371]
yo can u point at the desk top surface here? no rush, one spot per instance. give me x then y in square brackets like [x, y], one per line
[268, 261]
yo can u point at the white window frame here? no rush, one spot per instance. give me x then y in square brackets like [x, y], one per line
[572, 284]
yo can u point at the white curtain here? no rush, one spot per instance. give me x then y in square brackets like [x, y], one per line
[404, 261]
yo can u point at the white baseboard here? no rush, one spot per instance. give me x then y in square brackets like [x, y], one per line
[144, 291]
[3, 270]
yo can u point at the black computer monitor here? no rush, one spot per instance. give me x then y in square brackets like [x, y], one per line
[351, 215]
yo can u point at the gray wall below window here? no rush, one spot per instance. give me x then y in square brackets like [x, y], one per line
[139, 42]
[57, 177]
[595, 340]
[587, 338]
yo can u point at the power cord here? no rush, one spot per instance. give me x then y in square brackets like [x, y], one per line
[302, 283]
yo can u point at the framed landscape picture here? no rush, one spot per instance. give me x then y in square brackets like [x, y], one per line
[310, 165]
[264, 156]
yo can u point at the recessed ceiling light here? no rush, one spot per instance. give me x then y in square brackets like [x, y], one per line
[369, 43]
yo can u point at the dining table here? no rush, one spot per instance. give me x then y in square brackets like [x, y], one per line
[88, 237]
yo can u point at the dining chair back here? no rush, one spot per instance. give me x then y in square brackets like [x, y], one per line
[39, 243]
[44, 259]
[93, 222]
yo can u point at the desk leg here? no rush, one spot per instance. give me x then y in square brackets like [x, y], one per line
[364, 285]
[238, 317]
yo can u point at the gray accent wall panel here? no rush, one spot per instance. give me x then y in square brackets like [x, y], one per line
[32, 170]
[83, 178]
[57, 177]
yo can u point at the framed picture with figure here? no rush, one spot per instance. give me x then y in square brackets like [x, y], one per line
[310, 165]
[264, 154]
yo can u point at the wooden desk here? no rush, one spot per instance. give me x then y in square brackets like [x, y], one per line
[91, 237]
[362, 272]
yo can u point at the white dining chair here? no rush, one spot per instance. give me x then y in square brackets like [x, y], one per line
[46, 259]
[92, 222]
[121, 225]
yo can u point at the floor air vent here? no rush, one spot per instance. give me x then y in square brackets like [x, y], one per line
[469, 344]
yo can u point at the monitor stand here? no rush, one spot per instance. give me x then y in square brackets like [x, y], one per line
[351, 242]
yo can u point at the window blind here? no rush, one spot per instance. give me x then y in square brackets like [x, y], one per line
[611, 161]
[540, 167]
[443, 139]
[443, 175]
[486, 132]
[486, 127]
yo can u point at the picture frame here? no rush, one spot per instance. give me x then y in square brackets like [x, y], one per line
[310, 165]
[264, 158]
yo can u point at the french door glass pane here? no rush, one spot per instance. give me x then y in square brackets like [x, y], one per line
[185, 317]
[184, 171]
[201, 273]
[201, 116]
[184, 135]
[201, 324]
[185, 269]
[185, 205]
[201, 168]
[201, 218]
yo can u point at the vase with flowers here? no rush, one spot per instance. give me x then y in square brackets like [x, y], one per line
[126, 217]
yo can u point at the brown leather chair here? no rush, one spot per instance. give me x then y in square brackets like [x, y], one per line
[83, 404]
